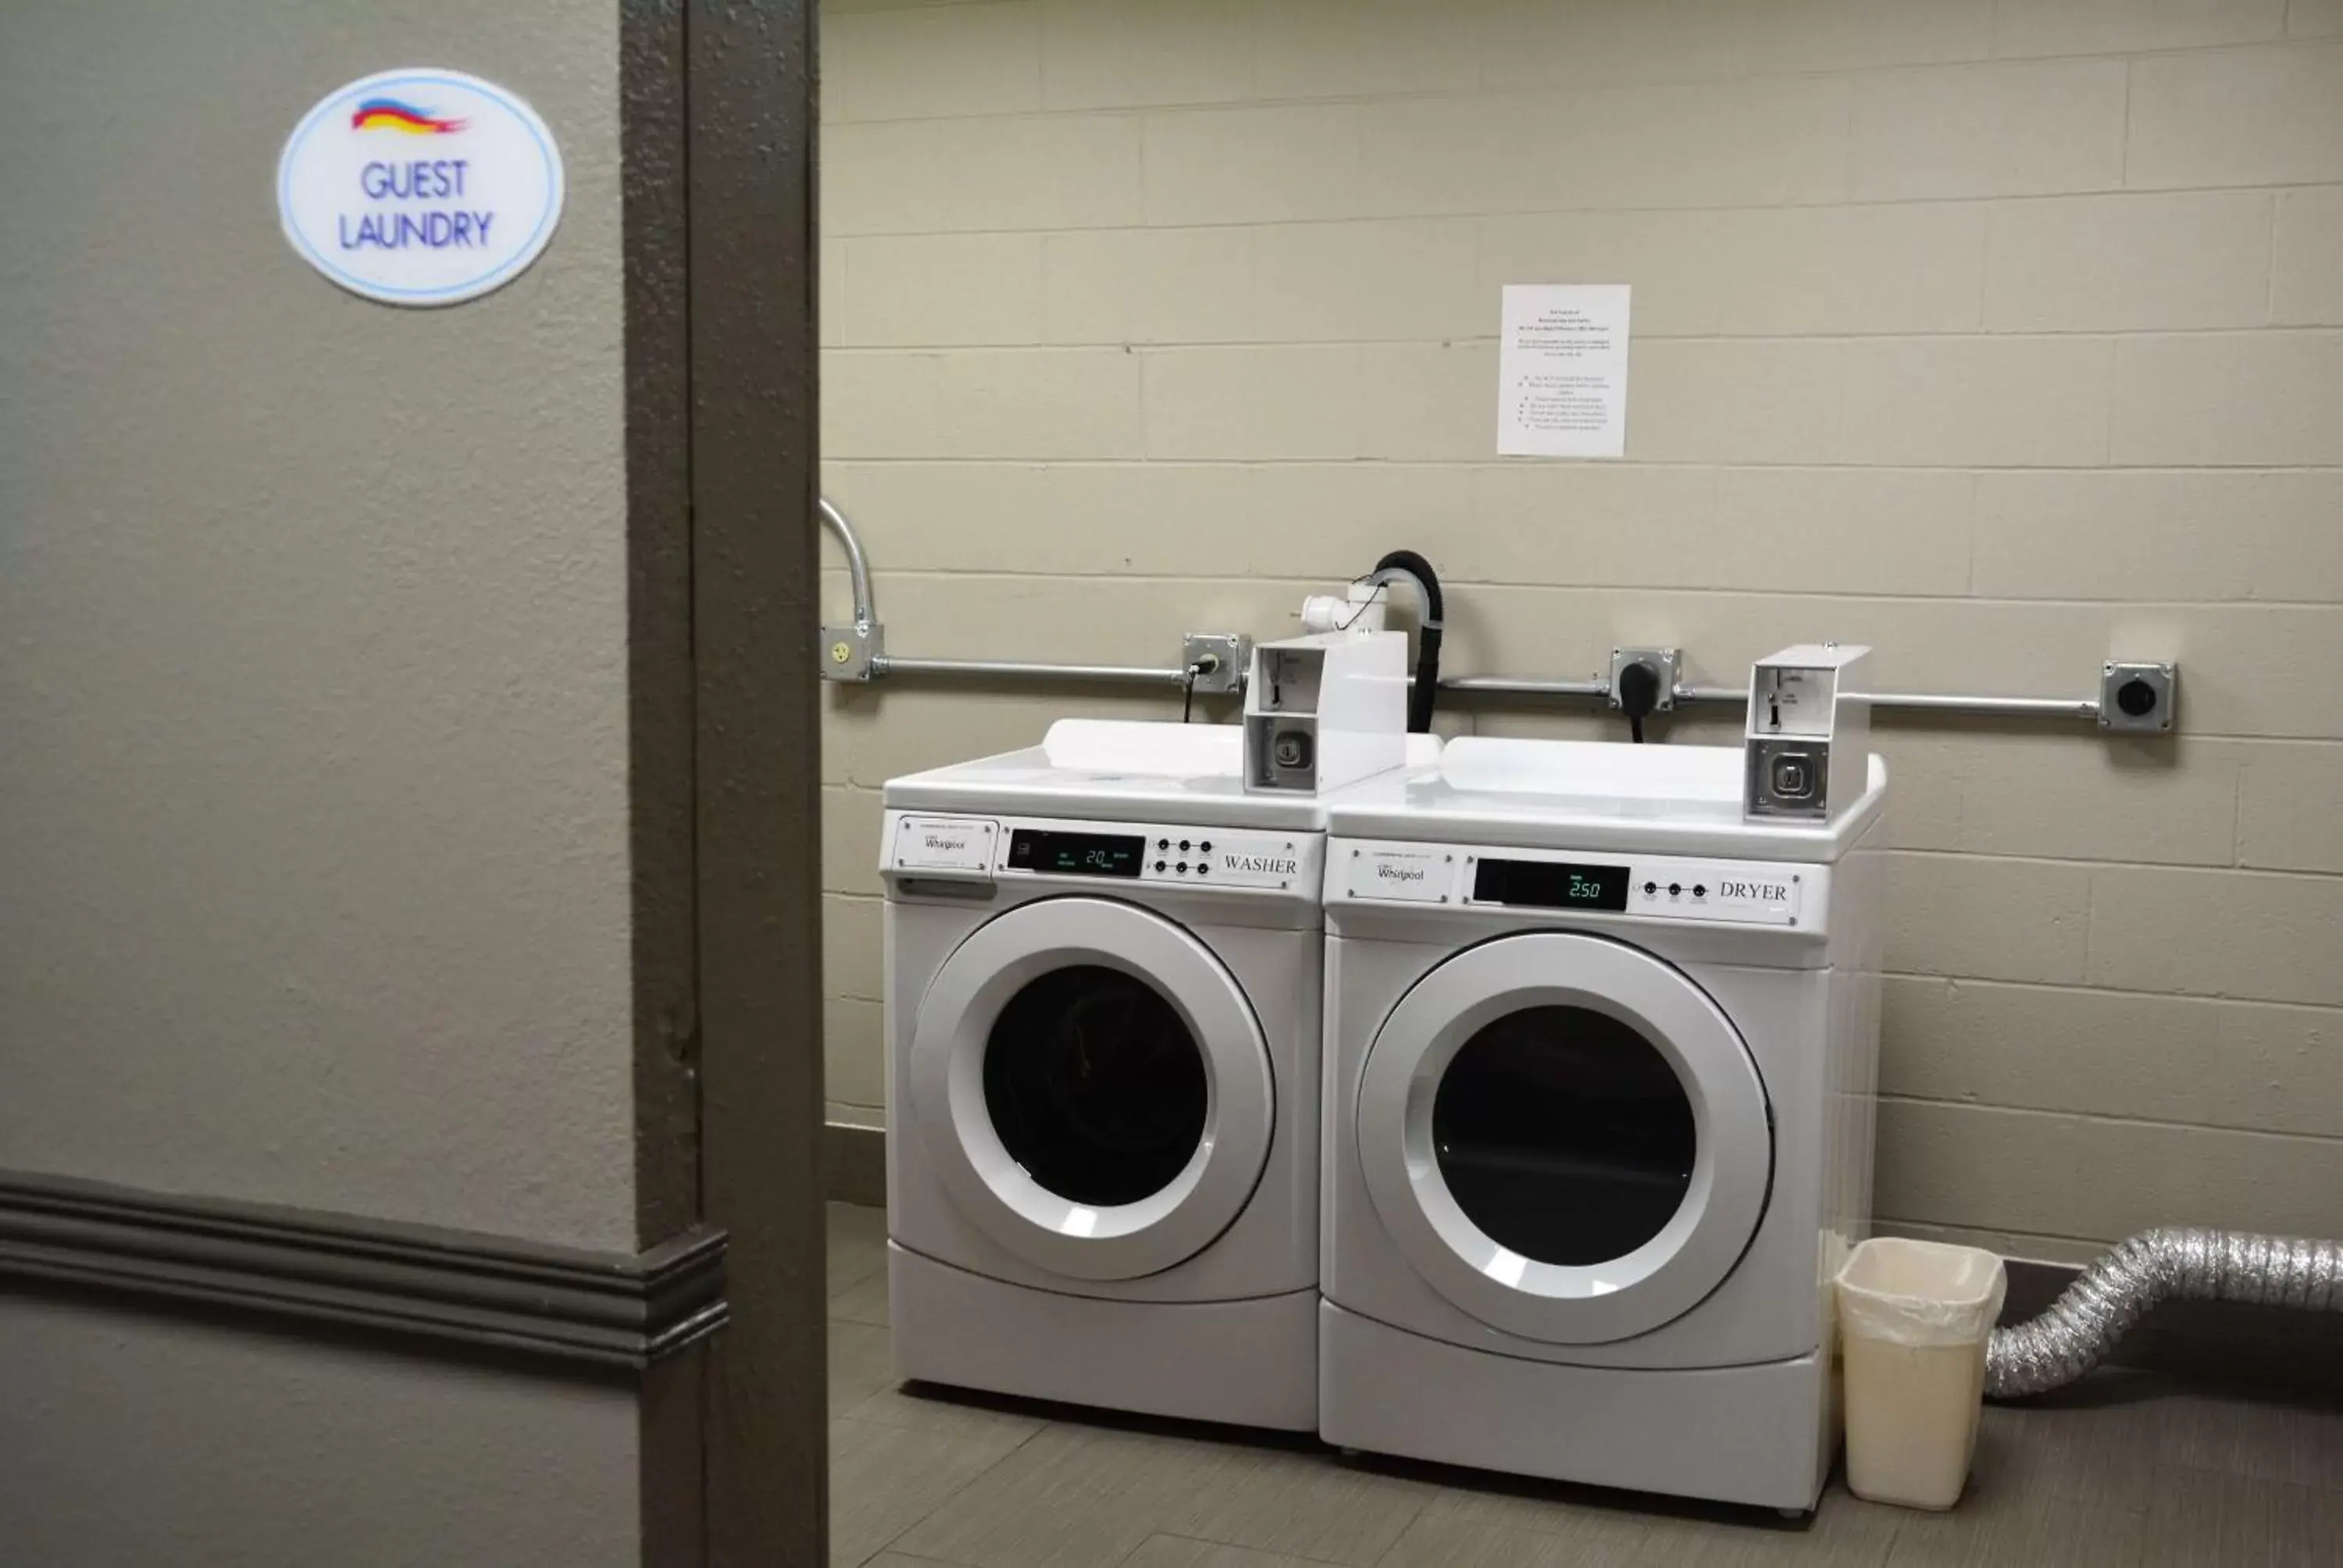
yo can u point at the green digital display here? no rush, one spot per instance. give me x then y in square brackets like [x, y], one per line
[1075, 854]
[1550, 885]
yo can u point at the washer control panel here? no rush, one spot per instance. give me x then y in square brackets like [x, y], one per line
[1742, 893]
[926, 845]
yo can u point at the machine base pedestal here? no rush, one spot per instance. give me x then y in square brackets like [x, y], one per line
[1753, 1434]
[1251, 1362]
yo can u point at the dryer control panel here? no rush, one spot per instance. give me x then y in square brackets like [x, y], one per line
[933, 845]
[1743, 892]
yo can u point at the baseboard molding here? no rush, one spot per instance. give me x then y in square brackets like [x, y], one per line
[854, 1164]
[419, 1282]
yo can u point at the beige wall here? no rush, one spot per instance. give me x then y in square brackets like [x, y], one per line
[134, 1440]
[313, 792]
[2005, 337]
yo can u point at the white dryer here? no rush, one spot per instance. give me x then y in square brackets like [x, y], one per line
[1600, 1062]
[1103, 984]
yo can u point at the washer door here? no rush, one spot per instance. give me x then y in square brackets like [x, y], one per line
[1092, 1085]
[1566, 1137]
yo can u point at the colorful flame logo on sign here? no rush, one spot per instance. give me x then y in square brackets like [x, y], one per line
[390, 115]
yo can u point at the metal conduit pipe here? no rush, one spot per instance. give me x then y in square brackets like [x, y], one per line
[2083, 707]
[2083, 1324]
[866, 613]
[863, 638]
[1515, 686]
[856, 652]
[1021, 670]
[2086, 709]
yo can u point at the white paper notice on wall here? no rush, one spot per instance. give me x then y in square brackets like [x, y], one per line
[1561, 371]
[419, 186]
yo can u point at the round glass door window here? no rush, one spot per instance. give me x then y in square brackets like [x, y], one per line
[1095, 1085]
[1564, 1135]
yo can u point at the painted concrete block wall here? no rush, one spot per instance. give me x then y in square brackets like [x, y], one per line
[313, 794]
[2006, 335]
[135, 1440]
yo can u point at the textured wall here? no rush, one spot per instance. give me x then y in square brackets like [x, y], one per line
[132, 1439]
[313, 865]
[2005, 336]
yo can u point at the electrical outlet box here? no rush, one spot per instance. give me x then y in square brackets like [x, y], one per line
[2138, 698]
[1325, 710]
[1223, 657]
[851, 653]
[1667, 663]
[1808, 738]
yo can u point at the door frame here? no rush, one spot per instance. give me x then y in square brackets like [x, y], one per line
[717, 130]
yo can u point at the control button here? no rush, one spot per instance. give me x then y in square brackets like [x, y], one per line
[1206, 846]
[1162, 844]
[1674, 888]
[1183, 867]
[1700, 890]
[1650, 889]
[1202, 868]
[1184, 846]
[1159, 865]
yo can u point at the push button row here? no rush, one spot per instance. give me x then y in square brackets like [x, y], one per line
[1675, 889]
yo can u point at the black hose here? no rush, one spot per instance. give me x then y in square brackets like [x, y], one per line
[1426, 692]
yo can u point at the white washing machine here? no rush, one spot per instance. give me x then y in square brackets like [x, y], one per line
[1104, 970]
[1601, 1068]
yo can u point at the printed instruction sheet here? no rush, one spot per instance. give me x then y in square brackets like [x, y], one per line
[1561, 371]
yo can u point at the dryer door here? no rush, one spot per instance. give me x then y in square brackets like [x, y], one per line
[1093, 1087]
[1566, 1137]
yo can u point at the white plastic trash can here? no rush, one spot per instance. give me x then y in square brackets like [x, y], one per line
[1914, 1319]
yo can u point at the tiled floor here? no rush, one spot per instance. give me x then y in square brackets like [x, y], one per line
[2127, 1469]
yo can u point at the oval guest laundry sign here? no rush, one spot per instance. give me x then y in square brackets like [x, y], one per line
[420, 187]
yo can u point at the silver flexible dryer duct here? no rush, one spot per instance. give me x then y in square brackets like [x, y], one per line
[2115, 1292]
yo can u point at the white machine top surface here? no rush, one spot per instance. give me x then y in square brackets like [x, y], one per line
[1591, 795]
[1118, 768]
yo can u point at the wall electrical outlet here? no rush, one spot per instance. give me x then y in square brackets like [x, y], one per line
[1229, 655]
[2138, 698]
[849, 652]
[1668, 662]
